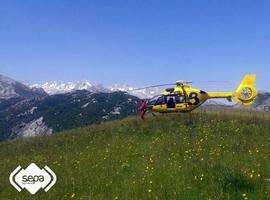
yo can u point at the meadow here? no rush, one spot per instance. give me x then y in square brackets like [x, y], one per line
[208, 154]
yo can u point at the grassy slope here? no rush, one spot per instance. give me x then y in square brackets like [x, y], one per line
[212, 155]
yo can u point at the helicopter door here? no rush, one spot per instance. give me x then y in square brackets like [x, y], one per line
[170, 101]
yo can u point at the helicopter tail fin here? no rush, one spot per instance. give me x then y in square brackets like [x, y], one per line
[246, 92]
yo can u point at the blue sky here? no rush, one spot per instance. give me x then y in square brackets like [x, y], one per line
[139, 42]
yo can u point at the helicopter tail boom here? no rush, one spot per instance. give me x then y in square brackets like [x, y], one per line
[245, 93]
[218, 95]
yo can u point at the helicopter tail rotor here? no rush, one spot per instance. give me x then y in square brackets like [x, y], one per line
[246, 92]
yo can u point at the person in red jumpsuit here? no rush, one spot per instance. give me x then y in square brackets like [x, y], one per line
[142, 109]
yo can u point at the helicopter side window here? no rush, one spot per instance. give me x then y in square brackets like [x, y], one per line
[179, 99]
[157, 100]
[170, 101]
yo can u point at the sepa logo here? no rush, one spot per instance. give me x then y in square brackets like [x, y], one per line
[32, 178]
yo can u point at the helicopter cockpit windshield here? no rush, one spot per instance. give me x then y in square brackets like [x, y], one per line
[156, 100]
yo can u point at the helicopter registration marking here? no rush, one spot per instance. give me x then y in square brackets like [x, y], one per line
[194, 95]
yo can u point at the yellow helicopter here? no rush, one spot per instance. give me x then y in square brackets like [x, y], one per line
[184, 98]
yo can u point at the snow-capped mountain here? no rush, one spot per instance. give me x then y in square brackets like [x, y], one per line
[62, 88]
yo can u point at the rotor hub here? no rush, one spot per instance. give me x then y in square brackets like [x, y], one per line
[246, 93]
[179, 83]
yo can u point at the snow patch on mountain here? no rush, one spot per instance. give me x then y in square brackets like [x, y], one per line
[93, 101]
[31, 111]
[85, 105]
[105, 117]
[116, 111]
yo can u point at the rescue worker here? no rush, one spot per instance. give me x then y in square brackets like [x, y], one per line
[142, 109]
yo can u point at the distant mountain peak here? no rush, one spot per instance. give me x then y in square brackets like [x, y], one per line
[6, 79]
[10, 88]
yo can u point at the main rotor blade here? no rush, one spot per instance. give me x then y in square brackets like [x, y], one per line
[188, 82]
[153, 86]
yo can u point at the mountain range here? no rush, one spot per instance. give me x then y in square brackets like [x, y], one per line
[30, 111]
[60, 88]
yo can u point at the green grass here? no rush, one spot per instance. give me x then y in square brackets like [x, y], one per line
[216, 154]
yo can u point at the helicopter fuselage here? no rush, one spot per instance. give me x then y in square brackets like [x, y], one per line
[183, 98]
[179, 99]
